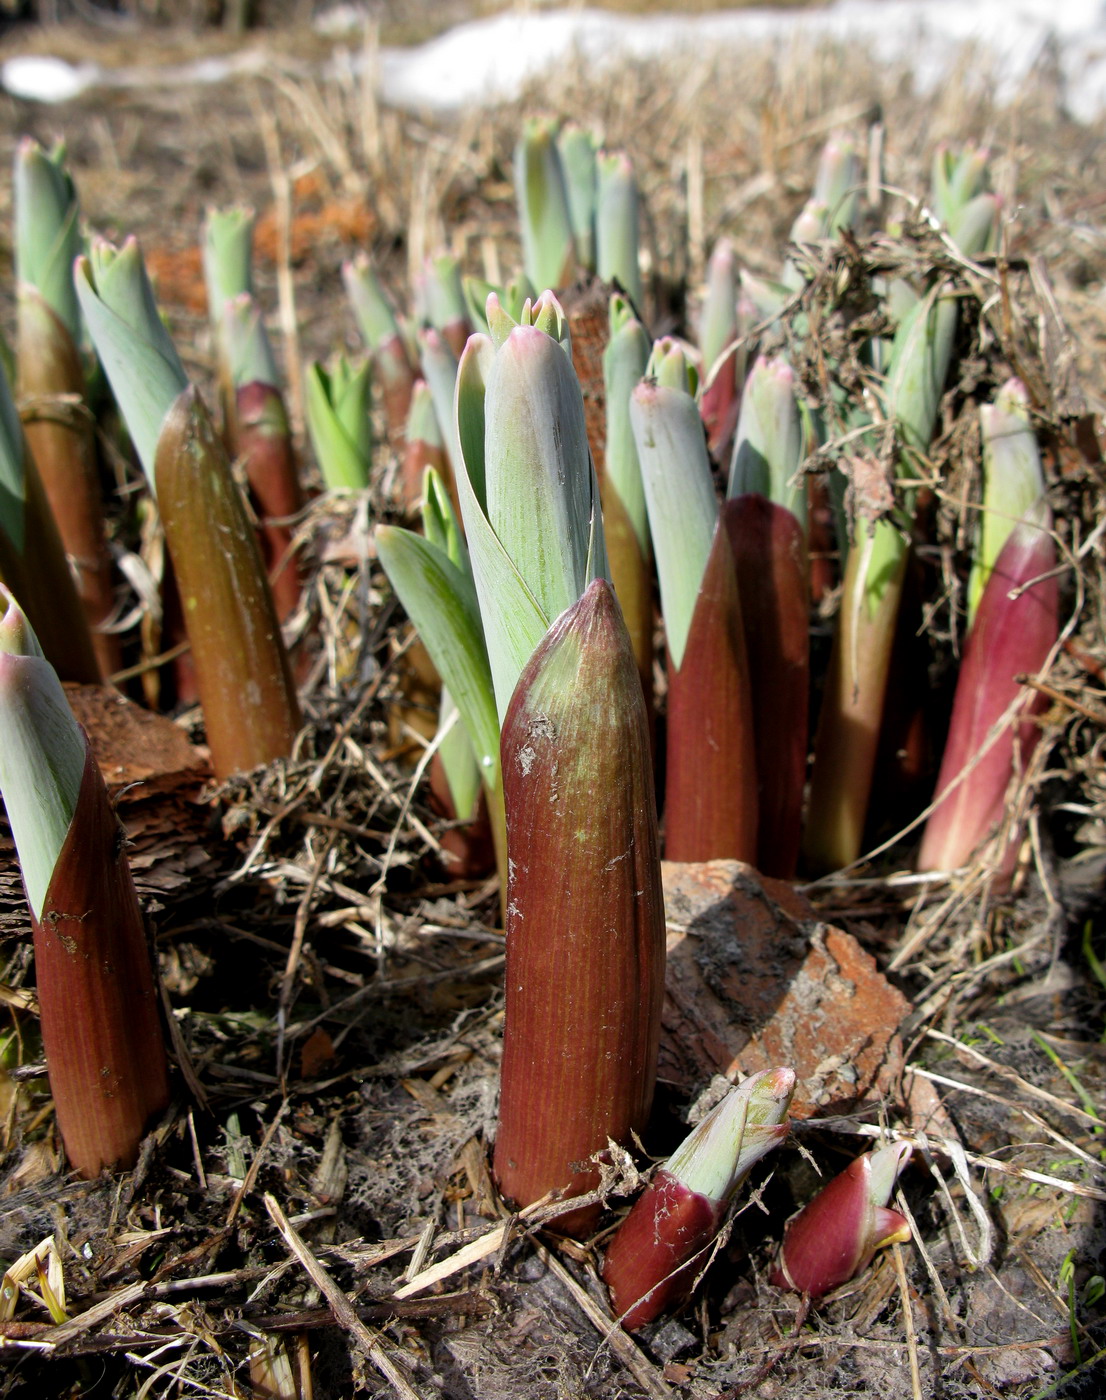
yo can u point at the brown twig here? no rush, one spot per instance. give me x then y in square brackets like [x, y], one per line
[295, 951]
[343, 1310]
[908, 1322]
[1060, 698]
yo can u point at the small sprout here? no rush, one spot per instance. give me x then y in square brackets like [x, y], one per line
[834, 1237]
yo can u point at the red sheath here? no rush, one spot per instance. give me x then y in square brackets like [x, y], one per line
[585, 913]
[720, 405]
[1010, 636]
[397, 378]
[650, 1266]
[835, 1236]
[100, 1026]
[265, 443]
[710, 810]
[774, 591]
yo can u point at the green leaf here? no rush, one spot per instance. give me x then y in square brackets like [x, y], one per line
[974, 228]
[516, 294]
[838, 180]
[138, 356]
[617, 255]
[1012, 479]
[513, 620]
[441, 601]
[459, 761]
[768, 446]
[918, 368]
[13, 469]
[440, 525]
[42, 752]
[718, 315]
[540, 493]
[338, 422]
[439, 368]
[373, 312]
[440, 294]
[624, 360]
[673, 366]
[576, 148]
[680, 495]
[548, 250]
[957, 178]
[247, 342]
[227, 257]
[477, 292]
[722, 1149]
[46, 236]
[767, 298]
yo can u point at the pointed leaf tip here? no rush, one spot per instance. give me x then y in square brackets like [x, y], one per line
[17, 636]
[742, 1128]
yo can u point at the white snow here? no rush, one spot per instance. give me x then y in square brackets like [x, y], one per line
[38, 78]
[491, 60]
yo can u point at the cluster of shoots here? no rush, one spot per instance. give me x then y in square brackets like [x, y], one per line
[535, 582]
[674, 1230]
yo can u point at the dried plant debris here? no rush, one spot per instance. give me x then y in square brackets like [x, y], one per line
[314, 1215]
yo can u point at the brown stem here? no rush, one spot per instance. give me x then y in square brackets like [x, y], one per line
[245, 686]
[61, 437]
[37, 572]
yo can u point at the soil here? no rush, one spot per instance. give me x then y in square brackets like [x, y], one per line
[335, 996]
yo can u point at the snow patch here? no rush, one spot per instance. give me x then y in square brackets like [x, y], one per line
[492, 60]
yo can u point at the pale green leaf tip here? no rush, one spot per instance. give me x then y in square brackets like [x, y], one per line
[672, 364]
[17, 637]
[620, 313]
[375, 318]
[439, 292]
[248, 347]
[42, 752]
[768, 445]
[1013, 481]
[885, 1165]
[544, 313]
[46, 235]
[747, 1124]
[422, 421]
[338, 421]
[139, 358]
[812, 223]
[227, 255]
[500, 322]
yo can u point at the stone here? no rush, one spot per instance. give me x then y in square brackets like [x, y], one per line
[755, 980]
